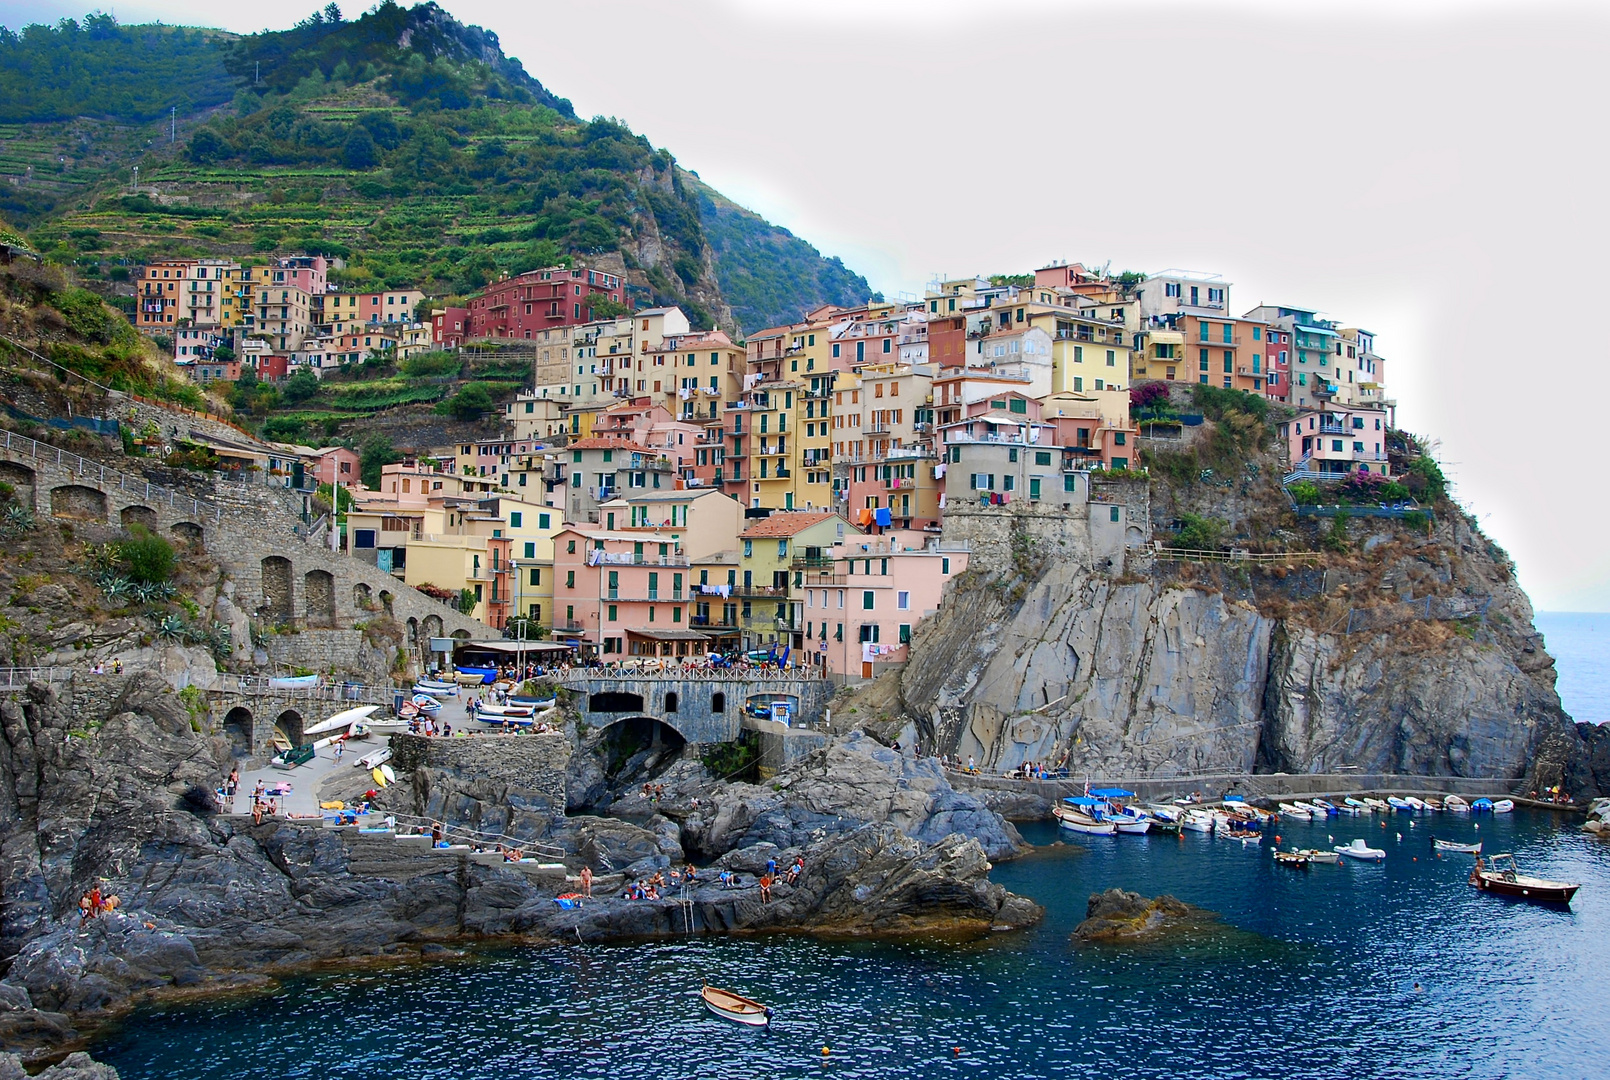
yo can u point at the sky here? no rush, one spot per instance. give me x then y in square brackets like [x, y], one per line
[1428, 170]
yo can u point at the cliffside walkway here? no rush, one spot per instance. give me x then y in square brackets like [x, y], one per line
[1257, 786]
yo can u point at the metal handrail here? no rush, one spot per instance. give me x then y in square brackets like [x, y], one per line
[80, 468]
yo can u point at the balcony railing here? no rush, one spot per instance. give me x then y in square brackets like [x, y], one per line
[812, 562]
[569, 626]
[632, 558]
[760, 590]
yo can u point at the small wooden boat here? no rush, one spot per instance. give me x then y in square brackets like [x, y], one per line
[1294, 859]
[436, 688]
[1293, 810]
[729, 1006]
[1434, 805]
[1402, 806]
[375, 759]
[1326, 805]
[498, 712]
[1377, 805]
[1358, 849]
[385, 725]
[425, 703]
[1455, 805]
[292, 682]
[1196, 821]
[1481, 806]
[476, 676]
[1358, 804]
[1317, 856]
[1418, 804]
[1502, 876]
[1503, 806]
[534, 703]
[1450, 845]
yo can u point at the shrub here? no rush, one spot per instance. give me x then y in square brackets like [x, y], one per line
[1306, 493]
[432, 365]
[147, 557]
[1199, 533]
[1426, 480]
[470, 403]
[300, 386]
[376, 453]
[1335, 538]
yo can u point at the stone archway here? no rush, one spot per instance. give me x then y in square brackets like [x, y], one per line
[363, 597]
[77, 503]
[22, 478]
[385, 600]
[238, 730]
[289, 724]
[614, 701]
[638, 748]
[279, 600]
[143, 516]
[412, 626]
[189, 534]
[318, 593]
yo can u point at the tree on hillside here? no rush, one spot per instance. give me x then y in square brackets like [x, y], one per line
[377, 453]
[360, 151]
[470, 403]
[299, 387]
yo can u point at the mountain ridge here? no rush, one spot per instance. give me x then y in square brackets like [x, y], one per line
[403, 142]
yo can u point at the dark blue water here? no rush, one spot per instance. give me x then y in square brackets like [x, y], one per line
[1310, 974]
[1580, 644]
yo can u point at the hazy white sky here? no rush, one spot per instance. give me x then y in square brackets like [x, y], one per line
[1430, 171]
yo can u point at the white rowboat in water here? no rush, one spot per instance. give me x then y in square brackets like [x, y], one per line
[729, 1006]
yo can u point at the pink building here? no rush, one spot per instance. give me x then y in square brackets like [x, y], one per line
[887, 584]
[335, 462]
[1337, 440]
[305, 272]
[620, 594]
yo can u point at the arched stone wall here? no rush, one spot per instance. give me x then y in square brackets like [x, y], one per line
[143, 516]
[238, 730]
[189, 533]
[279, 599]
[22, 478]
[318, 593]
[77, 503]
[385, 600]
[290, 723]
[363, 597]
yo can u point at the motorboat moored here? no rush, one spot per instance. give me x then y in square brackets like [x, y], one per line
[1503, 806]
[1297, 860]
[1500, 875]
[1196, 821]
[1358, 849]
[1455, 805]
[1294, 810]
[1076, 815]
[1315, 855]
[729, 1006]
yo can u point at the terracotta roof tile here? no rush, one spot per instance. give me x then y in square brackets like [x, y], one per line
[786, 523]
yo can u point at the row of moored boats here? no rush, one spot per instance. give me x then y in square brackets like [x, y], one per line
[1308, 810]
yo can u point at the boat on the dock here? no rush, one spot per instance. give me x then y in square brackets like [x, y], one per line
[1313, 808]
[534, 703]
[1358, 804]
[1434, 805]
[1196, 821]
[341, 720]
[374, 760]
[1315, 855]
[729, 1006]
[1080, 813]
[436, 688]
[1503, 806]
[1358, 849]
[380, 725]
[1295, 810]
[1347, 809]
[1297, 860]
[292, 682]
[1377, 805]
[1330, 808]
[498, 712]
[1455, 805]
[425, 703]
[1418, 804]
[1451, 845]
[476, 676]
[1402, 806]
[1499, 874]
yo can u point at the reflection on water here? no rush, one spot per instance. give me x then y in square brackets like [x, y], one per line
[1312, 974]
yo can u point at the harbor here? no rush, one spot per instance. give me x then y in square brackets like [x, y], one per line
[1367, 970]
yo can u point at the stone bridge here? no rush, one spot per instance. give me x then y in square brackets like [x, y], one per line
[701, 710]
[252, 531]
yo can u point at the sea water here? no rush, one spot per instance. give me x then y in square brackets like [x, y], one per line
[1358, 970]
[1580, 645]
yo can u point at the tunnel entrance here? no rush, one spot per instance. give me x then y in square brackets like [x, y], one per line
[636, 750]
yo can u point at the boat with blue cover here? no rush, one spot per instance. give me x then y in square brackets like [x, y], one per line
[1081, 814]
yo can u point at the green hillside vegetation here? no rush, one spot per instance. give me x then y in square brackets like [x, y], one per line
[101, 69]
[402, 142]
[768, 275]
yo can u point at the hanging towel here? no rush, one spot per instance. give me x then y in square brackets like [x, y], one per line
[884, 518]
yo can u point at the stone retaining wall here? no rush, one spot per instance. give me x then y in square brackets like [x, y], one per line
[532, 765]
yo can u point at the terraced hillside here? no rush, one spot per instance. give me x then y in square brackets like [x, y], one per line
[403, 143]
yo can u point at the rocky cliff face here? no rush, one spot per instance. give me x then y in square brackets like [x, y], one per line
[109, 783]
[1181, 669]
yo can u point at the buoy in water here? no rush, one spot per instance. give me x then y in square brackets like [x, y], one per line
[824, 1051]
[957, 1050]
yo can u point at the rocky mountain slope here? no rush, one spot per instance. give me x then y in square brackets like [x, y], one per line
[403, 142]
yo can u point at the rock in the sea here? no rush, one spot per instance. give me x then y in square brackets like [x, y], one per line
[79, 1066]
[1116, 915]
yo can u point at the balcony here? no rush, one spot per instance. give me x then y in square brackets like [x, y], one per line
[1221, 343]
[713, 622]
[568, 626]
[1250, 373]
[812, 562]
[760, 590]
[632, 558]
[659, 465]
[877, 429]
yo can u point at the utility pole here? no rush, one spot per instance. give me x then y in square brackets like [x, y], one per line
[135, 190]
[173, 121]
